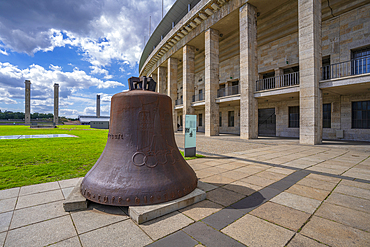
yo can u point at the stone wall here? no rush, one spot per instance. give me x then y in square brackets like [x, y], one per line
[341, 118]
[281, 53]
[345, 32]
[225, 129]
[197, 112]
[282, 117]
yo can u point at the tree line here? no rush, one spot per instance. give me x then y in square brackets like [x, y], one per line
[20, 115]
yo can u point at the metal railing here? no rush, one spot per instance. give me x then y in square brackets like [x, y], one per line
[178, 101]
[356, 66]
[285, 80]
[227, 91]
[198, 97]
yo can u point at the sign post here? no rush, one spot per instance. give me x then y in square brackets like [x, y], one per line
[190, 135]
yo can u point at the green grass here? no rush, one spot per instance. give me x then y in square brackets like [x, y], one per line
[33, 161]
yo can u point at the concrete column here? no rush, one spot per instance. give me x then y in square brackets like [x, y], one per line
[278, 73]
[27, 103]
[211, 82]
[248, 72]
[98, 105]
[161, 81]
[56, 103]
[172, 86]
[188, 79]
[309, 25]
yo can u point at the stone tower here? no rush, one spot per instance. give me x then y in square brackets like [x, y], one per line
[98, 105]
[27, 102]
[56, 103]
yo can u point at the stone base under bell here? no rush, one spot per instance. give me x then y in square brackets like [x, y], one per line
[75, 201]
[141, 214]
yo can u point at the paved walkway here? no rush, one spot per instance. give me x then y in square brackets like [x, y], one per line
[265, 192]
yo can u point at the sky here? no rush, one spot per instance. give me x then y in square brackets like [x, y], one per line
[88, 47]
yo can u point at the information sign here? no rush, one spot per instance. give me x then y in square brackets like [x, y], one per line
[190, 135]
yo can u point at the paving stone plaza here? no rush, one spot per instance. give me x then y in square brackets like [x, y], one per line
[263, 192]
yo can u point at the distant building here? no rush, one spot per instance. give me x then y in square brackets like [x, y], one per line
[85, 120]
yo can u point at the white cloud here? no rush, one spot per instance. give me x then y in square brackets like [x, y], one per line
[55, 68]
[42, 80]
[4, 52]
[104, 31]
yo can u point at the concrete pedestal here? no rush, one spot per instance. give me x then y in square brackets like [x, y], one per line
[140, 214]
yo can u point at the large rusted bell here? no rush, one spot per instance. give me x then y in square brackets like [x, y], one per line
[141, 163]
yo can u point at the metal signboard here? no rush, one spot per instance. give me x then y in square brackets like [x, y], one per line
[190, 135]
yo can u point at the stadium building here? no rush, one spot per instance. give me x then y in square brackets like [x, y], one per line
[296, 68]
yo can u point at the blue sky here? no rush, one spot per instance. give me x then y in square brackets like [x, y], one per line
[88, 47]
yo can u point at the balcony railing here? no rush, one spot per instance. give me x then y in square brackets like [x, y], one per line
[198, 97]
[356, 66]
[178, 102]
[285, 80]
[227, 91]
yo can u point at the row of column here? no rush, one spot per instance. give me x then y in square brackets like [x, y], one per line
[309, 22]
[27, 103]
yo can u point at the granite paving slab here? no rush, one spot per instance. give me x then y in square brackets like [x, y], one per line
[235, 174]
[210, 237]
[223, 196]
[243, 188]
[178, 239]
[280, 170]
[335, 234]
[218, 179]
[310, 192]
[2, 238]
[223, 217]
[302, 203]
[201, 209]
[251, 169]
[255, 179]
[198, 167]
[249, 203]
[69, 182]
[5, 219]
[355, 184]
[232, 165]
[349, 202]
[253, 231]
[9, 193]
[281, 215]
[165, 225]
[124, 233]
[318, 184]
[71, 242]
[43, 233]
[97, 216]
[345, 216]
[300, 241]
[37, 188]
[206, 186]
[30, 215]
[271, 175]
[7, 204]
[39, 198]
[353, 191]
[329, 179]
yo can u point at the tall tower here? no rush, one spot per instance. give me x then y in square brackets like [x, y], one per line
[27, 102]
[56, 103]
[98, 105]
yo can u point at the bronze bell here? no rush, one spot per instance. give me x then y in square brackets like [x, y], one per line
[141, 163]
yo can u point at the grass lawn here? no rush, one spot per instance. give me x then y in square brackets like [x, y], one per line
[39, 160]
